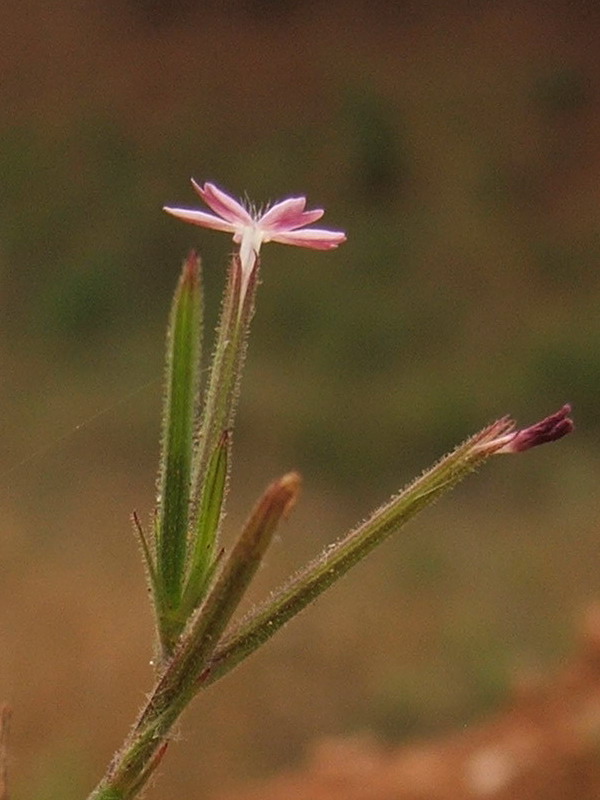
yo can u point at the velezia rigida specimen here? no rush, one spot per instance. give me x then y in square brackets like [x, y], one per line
[196, 442]
[196, 585]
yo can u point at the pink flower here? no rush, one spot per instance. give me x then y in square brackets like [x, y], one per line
[549, 429]
[283, 222]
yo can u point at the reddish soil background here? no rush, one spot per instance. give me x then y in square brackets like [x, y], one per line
[542, 746]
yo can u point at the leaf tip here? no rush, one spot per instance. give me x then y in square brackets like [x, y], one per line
[287, 488]
[191, 270]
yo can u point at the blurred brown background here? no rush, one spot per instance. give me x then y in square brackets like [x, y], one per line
[458, 144]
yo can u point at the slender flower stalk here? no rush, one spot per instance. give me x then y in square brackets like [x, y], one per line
[315, 578]
[284, 222]
[222, 391]
[264, 621]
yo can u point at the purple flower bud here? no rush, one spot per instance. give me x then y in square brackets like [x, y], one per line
[547, 430]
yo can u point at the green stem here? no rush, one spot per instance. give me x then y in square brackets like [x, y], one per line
[228, 360]
[319, 575]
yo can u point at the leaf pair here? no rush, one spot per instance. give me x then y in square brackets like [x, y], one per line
[181, 555]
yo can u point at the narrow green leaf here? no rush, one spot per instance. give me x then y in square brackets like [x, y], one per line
[202, 559]
[148, 557]
[180, 413]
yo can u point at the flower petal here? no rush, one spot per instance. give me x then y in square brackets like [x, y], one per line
[314, 238]
[202, 218]
[283, 213]
[289, 215]
[308, 217]
[222, 204]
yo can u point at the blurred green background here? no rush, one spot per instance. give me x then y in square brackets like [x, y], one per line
[458, 144]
